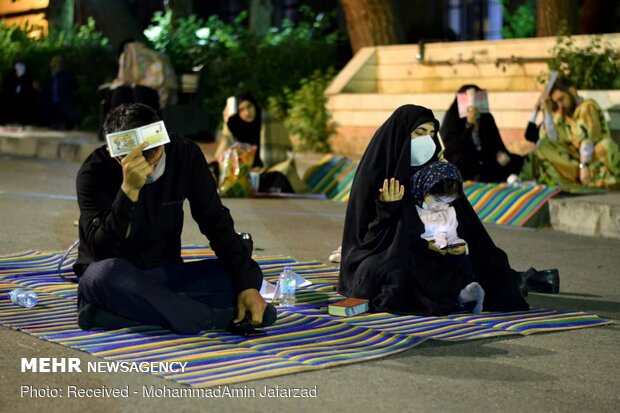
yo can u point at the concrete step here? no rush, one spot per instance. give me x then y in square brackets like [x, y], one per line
[72, 146]
[590, 215]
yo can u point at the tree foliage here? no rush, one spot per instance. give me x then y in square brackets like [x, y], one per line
[593, 66]
[519, 19]
[83, 50]
[232, 58]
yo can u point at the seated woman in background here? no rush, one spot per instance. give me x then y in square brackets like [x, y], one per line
[385, 258]
[574, 147]
[475, 146]
[274, 150]
[144, 76]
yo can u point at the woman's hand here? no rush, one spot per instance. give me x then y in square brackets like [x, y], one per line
[472, 115]
[225, 115]
[584, 174]
[547, 104]
[392, 191]
[502, 158]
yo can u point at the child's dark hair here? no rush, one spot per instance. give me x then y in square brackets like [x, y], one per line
[447, 187]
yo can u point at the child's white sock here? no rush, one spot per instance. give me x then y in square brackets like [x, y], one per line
[472, 292]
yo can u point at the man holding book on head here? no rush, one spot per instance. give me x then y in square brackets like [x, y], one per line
[131, 194]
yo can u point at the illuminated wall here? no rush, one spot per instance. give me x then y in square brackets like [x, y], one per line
[23, 12]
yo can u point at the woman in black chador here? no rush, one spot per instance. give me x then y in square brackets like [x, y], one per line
[384, 258]
[474, 145]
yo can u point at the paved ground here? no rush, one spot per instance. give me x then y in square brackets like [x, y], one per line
[572, 371]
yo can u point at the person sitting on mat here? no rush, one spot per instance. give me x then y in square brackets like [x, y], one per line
[129, 258]
[384, 257]
[245, 121]
[574, 146]
[434, 188]
[474, 144]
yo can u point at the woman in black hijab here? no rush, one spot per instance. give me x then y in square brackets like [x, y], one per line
[274, 157]
[245, 125]
[385, 260]
[475, 146]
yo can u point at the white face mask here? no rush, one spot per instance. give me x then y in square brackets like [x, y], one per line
[422, 150]
[159, 170]
[437, 204]
[20, 69]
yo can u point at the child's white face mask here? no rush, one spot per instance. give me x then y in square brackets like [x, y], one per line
[437, 204]
[422, 149]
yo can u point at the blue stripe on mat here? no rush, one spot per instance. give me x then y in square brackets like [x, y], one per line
[304, 338]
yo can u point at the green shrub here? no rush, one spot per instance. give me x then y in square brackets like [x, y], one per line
[232, 58]
[519, 19]
[593, 66]
[304, 112]
[83, 50]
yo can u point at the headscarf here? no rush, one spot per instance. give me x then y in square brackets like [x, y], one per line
[427, 177]
[247, 132]
[387, 156]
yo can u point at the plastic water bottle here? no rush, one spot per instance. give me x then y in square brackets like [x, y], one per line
[24, 297]
[288, 283]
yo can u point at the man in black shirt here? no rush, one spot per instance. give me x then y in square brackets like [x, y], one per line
[129, 259]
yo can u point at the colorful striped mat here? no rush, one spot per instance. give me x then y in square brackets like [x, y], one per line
[304, 338]
[506, 204]
[332, 177]
[494, 203]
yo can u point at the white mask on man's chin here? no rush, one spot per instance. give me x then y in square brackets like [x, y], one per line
[158, 171]
[422, 150]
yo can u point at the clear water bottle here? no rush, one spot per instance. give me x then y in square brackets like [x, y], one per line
[288, 283]
[24, 297]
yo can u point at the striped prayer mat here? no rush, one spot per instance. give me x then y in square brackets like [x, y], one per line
[507, 204]
[332, 177]
[494, 203]
[304, 338]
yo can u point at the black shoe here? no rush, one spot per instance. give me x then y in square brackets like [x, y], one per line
[545, 281]
[91, 316]
[219, 318]
[522, 281]
[269, 318]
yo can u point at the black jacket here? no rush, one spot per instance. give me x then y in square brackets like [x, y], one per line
[476, 164]
[155, 221]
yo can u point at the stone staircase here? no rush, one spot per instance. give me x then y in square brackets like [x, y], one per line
[379, 79]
